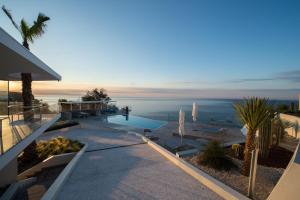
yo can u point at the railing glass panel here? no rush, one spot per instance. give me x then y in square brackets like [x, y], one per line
[18, 125]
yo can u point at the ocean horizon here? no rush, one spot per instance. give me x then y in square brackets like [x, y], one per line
[211, 111]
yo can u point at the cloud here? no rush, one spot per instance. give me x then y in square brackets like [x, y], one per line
[244, 80]
[293, 76]
[290, 76]
[184, 83]
[180, 93]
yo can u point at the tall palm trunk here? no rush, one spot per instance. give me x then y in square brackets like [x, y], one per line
[25, 44]
[29, 153]
[27, 95]
[249, 147]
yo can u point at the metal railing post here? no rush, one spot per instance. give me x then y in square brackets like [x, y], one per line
[1, 138]
[40, 114]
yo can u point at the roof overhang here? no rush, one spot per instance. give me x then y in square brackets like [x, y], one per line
[16, 59]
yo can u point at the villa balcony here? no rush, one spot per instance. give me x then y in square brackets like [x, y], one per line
[20, 128]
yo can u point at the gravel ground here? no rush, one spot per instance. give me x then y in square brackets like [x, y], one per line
[266, 178]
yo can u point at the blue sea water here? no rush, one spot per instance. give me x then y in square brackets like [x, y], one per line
[212, 111]
[217, 111]
[136, 121]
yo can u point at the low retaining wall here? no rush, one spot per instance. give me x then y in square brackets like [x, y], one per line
[60, 180]
[216, 186]
[185, 153]
[288, 186]
[52, 161]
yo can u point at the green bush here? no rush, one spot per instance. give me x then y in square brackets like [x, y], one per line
[57, 146]
[237, 150]
[282, 108]
[214, 156]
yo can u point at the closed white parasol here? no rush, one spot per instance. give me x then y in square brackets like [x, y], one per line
[195, 112]
[181, 130]
[244, 131]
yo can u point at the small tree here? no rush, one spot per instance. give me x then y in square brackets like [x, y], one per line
[278, 129]
[96, 95]
[253, 112]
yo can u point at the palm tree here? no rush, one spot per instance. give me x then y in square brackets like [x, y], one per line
[29, 33]
[253, 112]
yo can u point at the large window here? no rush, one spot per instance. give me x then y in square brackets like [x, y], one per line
[3, 98]
[15, 97]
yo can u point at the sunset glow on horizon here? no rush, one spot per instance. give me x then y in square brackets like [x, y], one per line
[167, 48]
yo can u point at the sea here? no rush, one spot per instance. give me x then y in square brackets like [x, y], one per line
[210, 111]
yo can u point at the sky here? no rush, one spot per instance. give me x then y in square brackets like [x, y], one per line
[213, 49]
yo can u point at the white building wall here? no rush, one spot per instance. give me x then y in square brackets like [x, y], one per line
[293, 119]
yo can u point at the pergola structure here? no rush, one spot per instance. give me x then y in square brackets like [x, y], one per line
[87, 106]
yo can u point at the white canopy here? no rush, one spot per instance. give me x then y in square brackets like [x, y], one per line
[195, 111]
[244, 130]
[16, 59]
[181, 130]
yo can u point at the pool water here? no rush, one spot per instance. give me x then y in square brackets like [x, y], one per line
[135, 121]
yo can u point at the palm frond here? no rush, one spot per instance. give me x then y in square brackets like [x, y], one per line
[38, 27]
[253, 112]
[9, 15]
[25, 30]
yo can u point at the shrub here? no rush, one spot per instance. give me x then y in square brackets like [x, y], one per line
[214, 156]
[57, 146]
[237, 150]
[282, 108]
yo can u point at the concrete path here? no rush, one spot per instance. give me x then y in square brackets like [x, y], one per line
[135, 171]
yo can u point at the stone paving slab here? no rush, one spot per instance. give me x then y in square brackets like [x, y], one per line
[133, 172]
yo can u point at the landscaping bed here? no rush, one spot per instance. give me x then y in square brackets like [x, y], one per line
[45, 179]
[225, 165]
[266, 177]
[45, 149]
[278, 157]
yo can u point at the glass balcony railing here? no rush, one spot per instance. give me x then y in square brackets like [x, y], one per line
[21, 122]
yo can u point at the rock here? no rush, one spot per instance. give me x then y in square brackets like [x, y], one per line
[147, 130]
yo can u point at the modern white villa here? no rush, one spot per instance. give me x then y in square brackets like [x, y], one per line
[113, 163]
[15, 133]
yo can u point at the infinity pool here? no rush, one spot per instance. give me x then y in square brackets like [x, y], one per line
[135, 121]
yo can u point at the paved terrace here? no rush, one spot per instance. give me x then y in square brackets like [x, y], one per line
[117, 165]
